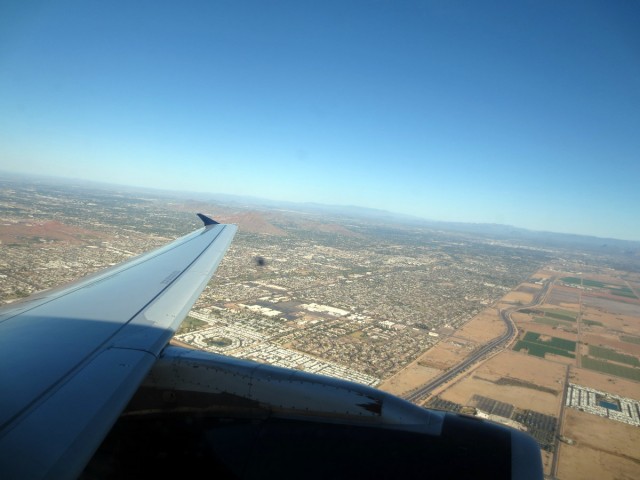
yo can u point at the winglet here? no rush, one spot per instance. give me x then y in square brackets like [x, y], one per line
[207, 220]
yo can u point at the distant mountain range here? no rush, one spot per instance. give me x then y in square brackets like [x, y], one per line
[489, 230]
[336, 212]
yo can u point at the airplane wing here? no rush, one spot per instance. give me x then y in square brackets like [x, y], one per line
[89, 387]
[72, 358]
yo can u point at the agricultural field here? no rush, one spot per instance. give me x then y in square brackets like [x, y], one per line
[556, 318]
[600, 318]
[609, 341]
[539, 345]
[563, 315]
[609, 354]
[547, 321]
[592, 323]
[564, 296]
[558, 314]
[630, 339]
[614, 289]
[611, 368]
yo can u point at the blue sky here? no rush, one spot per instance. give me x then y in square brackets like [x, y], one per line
[522, 113]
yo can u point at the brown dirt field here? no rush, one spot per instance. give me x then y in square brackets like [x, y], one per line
[556, 302]
[604, 448]
[606, 383]
[564, 296]
[612, 341]
[409, 378]
[579, 462]
[631, 325]
[25, 231]
[445, 354]
[483, 327]
[612, 279]
[612, 306]
[571, 307]
[560, 359]
[591, 330]
[614, 321]
[614, 298]
[566, 306]
[521, 317]
[510, 364]
[595, 315]
[515, 297]
[527, 287]
[543, 274]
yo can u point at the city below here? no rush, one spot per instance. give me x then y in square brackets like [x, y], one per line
[539, 334]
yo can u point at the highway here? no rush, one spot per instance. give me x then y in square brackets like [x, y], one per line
[480, 353]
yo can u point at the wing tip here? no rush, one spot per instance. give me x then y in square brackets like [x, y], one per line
[207, 220]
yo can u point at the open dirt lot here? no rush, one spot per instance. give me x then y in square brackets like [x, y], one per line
[409, 378]
[446, 354]
[533, 371]
[515, 297]
[629, 323]
[33, 232]
[529, 288]
[560, 359]
[602, 447]
[544, 274]
[613, 279]
[485, 326]
[521, 317]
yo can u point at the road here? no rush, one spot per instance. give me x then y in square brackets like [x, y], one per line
[556, 451]
[483, 351]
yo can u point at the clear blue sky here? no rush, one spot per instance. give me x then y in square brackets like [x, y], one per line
[523, 113]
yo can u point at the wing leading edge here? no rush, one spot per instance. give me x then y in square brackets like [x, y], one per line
[72, 358]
